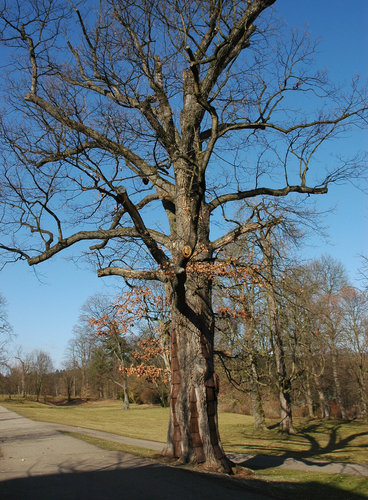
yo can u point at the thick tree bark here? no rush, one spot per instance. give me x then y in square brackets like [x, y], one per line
[193, 435]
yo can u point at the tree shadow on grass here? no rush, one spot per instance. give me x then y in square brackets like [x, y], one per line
[334, 444]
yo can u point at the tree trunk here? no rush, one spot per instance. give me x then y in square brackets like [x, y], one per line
[256, 397]
[337, 385]
[84, 385]
[283, 381]
[126, 404]
[324, 406]
[308, 396]
[23, 381]
[362, 389]
[257, 408]
[255, 392]
[193, 435]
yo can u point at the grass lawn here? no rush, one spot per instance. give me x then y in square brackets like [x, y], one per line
[314, 439]
[330, 440]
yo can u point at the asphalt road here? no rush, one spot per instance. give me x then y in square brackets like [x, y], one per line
[39, 462]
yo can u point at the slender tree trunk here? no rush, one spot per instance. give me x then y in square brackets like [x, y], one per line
[23, 376]
[283, 380]
[255, 392]
[193, 431]
[362, 388]
[256, 398]
[23, 382]
[323, 405]
[308, 396]
[84, 385]
[126, 403]
[337, 385]
[69, 390]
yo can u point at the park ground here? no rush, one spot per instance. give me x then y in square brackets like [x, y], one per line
[315, 441]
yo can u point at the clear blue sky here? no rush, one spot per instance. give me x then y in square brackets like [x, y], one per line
[44, 303]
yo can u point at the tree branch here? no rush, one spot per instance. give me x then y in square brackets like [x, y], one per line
[242, 195]
[223, 128]
[160, 257]
[131, 273]
[233, 235]
[101, 234]
[103, 141]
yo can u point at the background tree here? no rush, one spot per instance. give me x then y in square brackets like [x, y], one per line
[5, 334]
[41, 367]
[134, 331]
[99, 369]
[238, 344]
[131, 125]
[80, 352]
[69, 376]
[332, 278]
[25, 367]
[114, 339]
[355, 324]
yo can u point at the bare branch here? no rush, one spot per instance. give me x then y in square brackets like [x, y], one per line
[91, 235]
[233, 235]
[242, 195]
[132, 274]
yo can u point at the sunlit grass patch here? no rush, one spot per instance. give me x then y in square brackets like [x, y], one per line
[113, 446]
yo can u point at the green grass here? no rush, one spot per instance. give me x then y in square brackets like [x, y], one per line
[113, 446]
[315, 439]
[330, 440]
[145, 422]
[300, 485]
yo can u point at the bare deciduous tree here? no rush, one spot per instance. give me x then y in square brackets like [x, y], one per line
[5, 333]
[40, 366]
[130, 125]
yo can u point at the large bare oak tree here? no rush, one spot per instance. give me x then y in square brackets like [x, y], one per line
[131, 125]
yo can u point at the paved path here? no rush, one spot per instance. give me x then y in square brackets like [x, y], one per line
[41, 463]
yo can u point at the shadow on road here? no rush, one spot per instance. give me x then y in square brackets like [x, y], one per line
[153, 481]
[158, 482]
